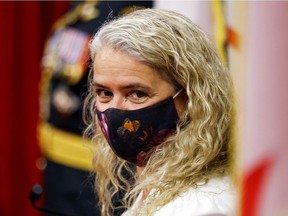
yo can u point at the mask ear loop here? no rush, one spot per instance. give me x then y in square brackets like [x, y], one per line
[177, 93]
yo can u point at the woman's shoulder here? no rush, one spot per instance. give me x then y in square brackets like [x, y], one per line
[216, 197]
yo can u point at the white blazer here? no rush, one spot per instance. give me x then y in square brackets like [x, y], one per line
[217, 198]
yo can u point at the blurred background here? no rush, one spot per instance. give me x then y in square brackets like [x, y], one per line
[252, 39]
[24, 29]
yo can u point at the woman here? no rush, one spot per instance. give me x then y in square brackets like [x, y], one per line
[161, 96]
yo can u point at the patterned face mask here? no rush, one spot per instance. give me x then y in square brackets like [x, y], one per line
[133, 134]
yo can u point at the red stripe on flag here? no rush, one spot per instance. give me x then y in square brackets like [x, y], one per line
[253, 186]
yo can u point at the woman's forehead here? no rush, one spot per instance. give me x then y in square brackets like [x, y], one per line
[110, 64]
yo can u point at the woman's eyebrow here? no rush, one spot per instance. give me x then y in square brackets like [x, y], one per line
[95, 84]
[135, 85]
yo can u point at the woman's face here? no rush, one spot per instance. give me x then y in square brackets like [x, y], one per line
[124, 83]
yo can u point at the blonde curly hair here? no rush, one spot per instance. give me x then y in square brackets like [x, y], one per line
[181, 52]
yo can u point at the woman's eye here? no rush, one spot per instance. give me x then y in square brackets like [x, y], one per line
[138, 96]
[103, 95]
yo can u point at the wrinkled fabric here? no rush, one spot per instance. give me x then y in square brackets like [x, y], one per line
[216, 198]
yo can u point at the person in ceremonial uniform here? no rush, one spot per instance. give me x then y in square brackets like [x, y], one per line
[65, 66]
